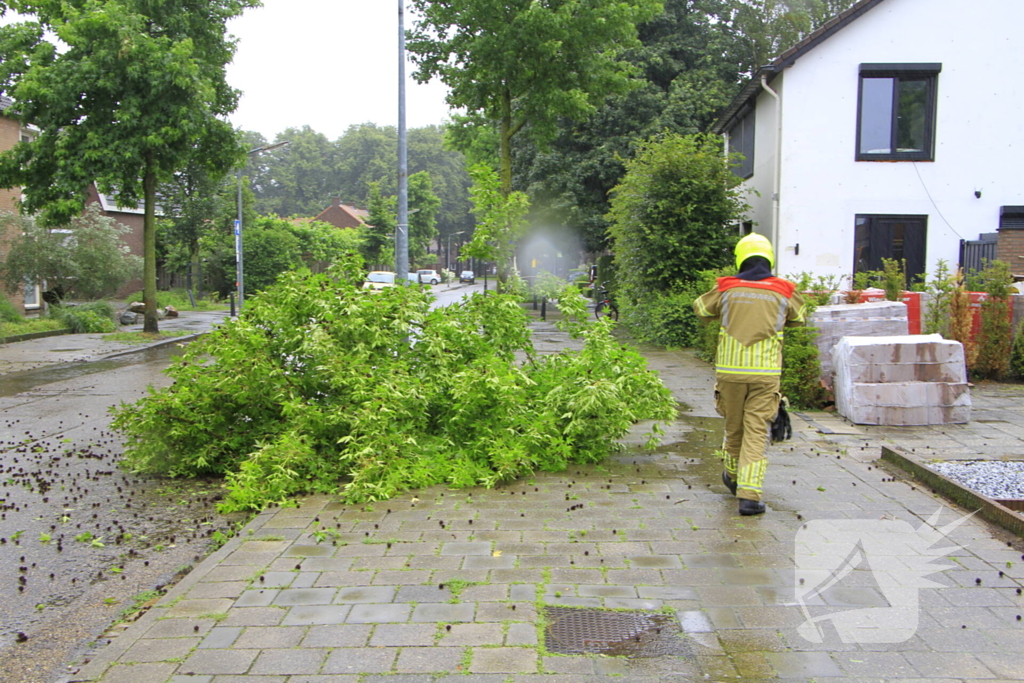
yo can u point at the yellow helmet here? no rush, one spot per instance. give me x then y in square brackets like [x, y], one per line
[754, 245]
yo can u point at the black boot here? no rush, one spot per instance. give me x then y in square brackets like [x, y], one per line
[729, 483]
[751, 507]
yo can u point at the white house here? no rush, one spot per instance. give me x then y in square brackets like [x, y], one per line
[895, 131]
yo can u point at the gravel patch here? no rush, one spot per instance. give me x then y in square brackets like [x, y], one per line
[995, 479]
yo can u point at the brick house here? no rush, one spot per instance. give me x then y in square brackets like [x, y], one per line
[11, 133]
[342, 215]
[132, 217]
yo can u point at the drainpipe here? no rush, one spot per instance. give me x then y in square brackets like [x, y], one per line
[778, 170]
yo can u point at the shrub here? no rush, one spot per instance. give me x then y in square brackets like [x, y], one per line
[993, 359]
[95, 317]
[801, 368]
[316, 388]
[8, 313]
[667, 318]
[1017, 353]
[941, 288]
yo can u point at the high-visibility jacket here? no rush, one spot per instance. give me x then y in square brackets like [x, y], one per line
[753, 314]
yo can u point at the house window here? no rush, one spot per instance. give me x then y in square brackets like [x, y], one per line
[896, 112]
[32, 294]
[903, 238]
[741, 141]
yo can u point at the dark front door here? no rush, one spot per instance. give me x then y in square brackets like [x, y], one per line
[891, 237]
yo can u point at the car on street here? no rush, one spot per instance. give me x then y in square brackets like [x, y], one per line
[467, 276]
[428, 277]
[379, 279]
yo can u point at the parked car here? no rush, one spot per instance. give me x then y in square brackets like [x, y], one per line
[467, 276]
[428, 277]
[379, 279]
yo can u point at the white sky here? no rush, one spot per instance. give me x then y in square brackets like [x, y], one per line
[325, 63]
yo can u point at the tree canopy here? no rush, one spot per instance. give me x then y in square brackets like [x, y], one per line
[137, 91]
[527, 62]
[87, 261]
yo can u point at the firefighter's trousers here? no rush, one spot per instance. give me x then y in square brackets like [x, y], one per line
[748, 408]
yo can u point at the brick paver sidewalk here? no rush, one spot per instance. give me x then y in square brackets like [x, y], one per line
[448, 585]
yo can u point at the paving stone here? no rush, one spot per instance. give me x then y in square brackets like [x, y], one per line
[472, 634]
[521, 634]
[368, 594]
[290, 597]
[133, 673]
[606, 591]
[220, 637]
[520, 592]
[429, 659]
[464, 548]
[179, 628]
[876, 664]
[954, 665]
[307, 615]
[217, 589]
[378, 614]
[275, 580]
[289, 662]
[271, 637]
[257, 597]
[443, 612]
[489, 562]
[196, 608]
[802, 664]
[509, 660]
[335, 579]
[359, 660]
[254, 616]
[218, 662]
[403, 635]
[337, 635]
[159, 650]
[428, 593]
[500, 611]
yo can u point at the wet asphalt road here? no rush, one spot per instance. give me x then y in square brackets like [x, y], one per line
[79, 538]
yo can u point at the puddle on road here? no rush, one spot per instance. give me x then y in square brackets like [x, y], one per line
[20, 382]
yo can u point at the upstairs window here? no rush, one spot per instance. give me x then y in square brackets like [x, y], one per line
[896, 112]
[741, 140]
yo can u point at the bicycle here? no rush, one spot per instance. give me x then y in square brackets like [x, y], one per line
[605, 305]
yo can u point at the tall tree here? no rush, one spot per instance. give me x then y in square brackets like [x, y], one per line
[378, 244]
[527, 62]
[136, 91]
[501, 220]
[423, 206]
[688, 61]
[769, 27]
[304, 174]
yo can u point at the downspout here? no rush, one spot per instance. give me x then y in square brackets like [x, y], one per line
[778, 169]
[725, 153]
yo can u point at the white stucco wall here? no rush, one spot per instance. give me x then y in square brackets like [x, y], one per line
[979, 133]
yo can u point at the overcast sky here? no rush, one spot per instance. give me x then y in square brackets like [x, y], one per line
[325, 63]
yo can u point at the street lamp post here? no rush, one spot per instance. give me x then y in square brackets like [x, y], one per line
[448, 252]
[239, 282]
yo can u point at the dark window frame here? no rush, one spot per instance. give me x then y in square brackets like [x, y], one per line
[928, 72]
[867, 223]
[743, 130]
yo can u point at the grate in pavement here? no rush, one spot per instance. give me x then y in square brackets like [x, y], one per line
[597, 631]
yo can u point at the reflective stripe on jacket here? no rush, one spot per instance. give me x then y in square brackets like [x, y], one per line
[753, 314]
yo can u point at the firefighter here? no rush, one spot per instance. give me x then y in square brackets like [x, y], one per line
[753, 307]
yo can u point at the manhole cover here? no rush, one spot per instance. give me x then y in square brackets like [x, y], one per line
[574, 631]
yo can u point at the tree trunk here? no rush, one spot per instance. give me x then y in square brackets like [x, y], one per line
[149, 250]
